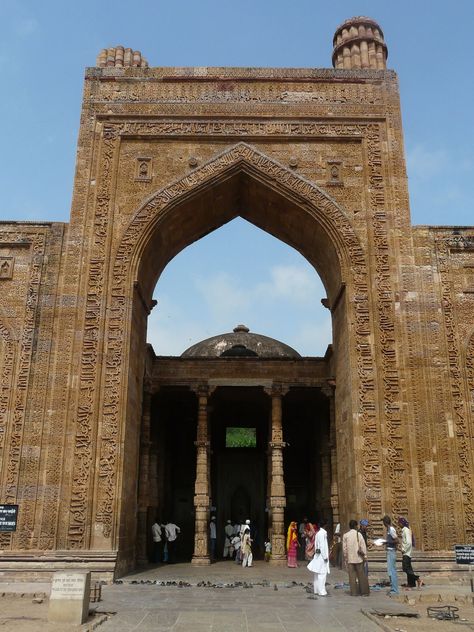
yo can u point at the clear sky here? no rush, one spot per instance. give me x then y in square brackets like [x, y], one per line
[237, 274]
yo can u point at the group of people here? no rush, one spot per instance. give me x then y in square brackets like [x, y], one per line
[237, 541]
[312, 538]
[165, 538]
[407, 543]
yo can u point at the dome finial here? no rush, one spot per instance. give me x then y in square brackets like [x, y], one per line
[240, 328]
[359, 44]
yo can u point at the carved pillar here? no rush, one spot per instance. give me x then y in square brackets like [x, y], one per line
[144, 477]
[202, 485]
[277, 482]
[328, 390]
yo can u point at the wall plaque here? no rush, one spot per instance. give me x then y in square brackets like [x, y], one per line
[464, 553]
[8, 517]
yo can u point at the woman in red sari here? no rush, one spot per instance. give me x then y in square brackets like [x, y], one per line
[292, 545]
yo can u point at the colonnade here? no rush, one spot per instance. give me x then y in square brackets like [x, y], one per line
[276, 500]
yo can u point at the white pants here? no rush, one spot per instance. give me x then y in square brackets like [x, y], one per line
[319, 584]
[248, 559]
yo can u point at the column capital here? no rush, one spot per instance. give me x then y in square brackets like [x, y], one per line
[202, 389]
[276, 390]
[148, 386]
[329, 387]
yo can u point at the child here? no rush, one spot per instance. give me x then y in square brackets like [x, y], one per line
[268, 551]
[236, 543]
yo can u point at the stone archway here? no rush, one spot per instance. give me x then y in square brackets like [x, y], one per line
[240, 181]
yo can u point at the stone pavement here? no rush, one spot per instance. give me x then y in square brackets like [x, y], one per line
[220, 608]
[166, 606]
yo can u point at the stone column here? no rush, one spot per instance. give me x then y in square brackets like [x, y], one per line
[202, 485]
[328, 390]
[144, 477]
[277, 482]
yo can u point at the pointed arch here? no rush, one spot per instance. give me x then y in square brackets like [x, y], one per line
[240, 181]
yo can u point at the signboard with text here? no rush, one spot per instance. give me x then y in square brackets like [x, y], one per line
[8, 517]
[464, 553]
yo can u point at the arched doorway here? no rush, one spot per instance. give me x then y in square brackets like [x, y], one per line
[244, 182]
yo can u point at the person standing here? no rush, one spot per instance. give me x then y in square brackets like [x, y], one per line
[268, 551]
[157, 541]
[391, 540]
[336, 547]
[302, 537]
[407, 547]
[171, 532]
[243, 526]
[229, 532]
[363, 525]
[236, 543]
[319, 565]
[246, 549]
[354, 551]
[213, 537]
[292, 545]
[310, 535]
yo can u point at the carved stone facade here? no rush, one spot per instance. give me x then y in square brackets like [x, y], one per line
[165, 155]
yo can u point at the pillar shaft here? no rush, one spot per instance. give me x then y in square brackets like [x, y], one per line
[143, 480]
[202, 485]
[333, 461]
[277, 484]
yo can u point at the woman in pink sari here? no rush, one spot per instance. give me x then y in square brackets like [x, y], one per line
[292, 545]
[309, 535]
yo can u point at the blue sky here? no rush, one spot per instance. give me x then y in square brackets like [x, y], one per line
[213, 285]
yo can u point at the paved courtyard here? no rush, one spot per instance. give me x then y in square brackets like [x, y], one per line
[227, 598]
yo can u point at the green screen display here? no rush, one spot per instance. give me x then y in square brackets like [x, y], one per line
[241, 438]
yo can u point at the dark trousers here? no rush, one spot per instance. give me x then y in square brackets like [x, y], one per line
[171, 551]
[157, 552]
[358, 581]
[338, 554]
[407, 568]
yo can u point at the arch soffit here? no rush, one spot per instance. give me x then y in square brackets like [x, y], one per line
[325, 212]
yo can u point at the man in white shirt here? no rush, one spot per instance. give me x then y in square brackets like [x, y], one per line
[319, 565]
[413, 580]
[157, 541]
[171, 533]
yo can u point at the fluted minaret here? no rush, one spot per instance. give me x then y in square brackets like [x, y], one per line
[120, 57]
[359, 43]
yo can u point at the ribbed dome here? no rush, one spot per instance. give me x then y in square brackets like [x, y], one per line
[240, 343]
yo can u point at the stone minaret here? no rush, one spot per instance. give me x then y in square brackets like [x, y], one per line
[120, 57]
[359, 43]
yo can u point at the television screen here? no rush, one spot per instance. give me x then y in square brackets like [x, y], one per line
[241, 438]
